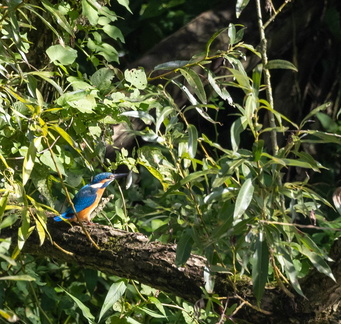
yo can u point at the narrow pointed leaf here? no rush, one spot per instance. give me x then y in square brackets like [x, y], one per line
[260, 266]
[85, 310]
[243, 199]
[192, 140]
[29, 159]
[285, 260]
[184, 248]
[240, 5]
[115, 292]
[281, 64]
[196, 84]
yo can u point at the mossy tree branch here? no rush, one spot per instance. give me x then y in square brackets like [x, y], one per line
[133, 256]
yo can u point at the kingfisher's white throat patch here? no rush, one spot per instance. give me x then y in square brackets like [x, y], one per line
[97, 185]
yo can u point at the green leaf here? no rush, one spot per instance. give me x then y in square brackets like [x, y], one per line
[324, 137]
[260, 266]
[61, 55]
[240, 6]
[59, 17]
[81, 100]
[85, 310]
[147, 118]
[3, 204]
[162, 116]
[309, 248]
[237, 128]
[158, 304]
[211, 40]
[136, 77]
[172, 65]
[65, 136]
[102, 79]
[314, 112]
[232, 33]
[242, 79]
[184, 248]
[298, 163]
[285, 260]
[90, 12]
[196, 84]
[18, 278]
[198, 174]
[243, 199]
[327, 122]
[221, 91]
[151, 312]
[29, 159]
[125, 4]
[306, 157]
[115, 292]
[192, 140]
[280, 64]
[113, 32]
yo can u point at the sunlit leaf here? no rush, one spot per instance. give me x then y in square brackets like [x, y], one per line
[192, 140]
[146, 117]
[115, 292]
[323, 137]
[125, 4]
[221, 91]
[102, 78]
[61, 55]
[136, 77]
[244, 198]
[29, 159]
[65, 136]
[59, 17]
[151, 312]
[162, 116]
[231, 31]
[171, 65]
[237, 128]
[242, 79]
[195, 83]
[240, 6]
[18, 278]
[3, 203]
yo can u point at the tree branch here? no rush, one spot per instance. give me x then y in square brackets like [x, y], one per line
[133, 256]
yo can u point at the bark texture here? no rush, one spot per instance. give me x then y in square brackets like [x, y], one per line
[132, 255]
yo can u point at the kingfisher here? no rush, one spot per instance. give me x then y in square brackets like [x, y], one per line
[88, 198]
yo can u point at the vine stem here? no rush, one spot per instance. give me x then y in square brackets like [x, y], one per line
[267, 78]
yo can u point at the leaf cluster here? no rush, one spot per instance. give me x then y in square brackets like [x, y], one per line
[233, 205]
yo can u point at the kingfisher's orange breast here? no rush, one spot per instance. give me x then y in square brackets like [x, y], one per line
[85, 214]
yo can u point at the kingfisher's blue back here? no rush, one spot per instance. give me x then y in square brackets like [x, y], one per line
[88, 197]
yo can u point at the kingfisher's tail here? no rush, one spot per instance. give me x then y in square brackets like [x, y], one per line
[60, 218]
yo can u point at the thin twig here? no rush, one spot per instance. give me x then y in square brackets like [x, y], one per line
[301, 225]
[267, 79]
[272, 18]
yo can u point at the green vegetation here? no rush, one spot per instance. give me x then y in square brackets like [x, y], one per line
[227, 201]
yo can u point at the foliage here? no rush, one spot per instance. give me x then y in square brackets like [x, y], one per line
[224, 201]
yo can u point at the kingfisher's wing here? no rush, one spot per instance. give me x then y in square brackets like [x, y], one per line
[83, 199]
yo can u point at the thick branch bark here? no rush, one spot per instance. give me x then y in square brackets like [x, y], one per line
[132, 255]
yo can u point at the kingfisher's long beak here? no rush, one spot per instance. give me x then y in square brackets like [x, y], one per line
[118, 175]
